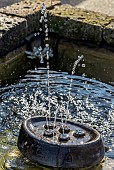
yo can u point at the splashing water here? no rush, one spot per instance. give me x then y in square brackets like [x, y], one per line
[91, 103]
[40, 52]
[60, 108]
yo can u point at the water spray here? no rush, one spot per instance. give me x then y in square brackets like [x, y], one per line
[71, 80]
[41, 51]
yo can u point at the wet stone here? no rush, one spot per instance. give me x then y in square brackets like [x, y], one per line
[67, 21]
[12, 31]
[21, 18]
[82, 15]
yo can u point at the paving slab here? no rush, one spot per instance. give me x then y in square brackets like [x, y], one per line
[4, 3]
[102, 6]
[26, 7]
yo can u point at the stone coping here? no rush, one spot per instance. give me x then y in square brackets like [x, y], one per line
[22, 18]
[19, 20]
[12, 31]
[81, 24]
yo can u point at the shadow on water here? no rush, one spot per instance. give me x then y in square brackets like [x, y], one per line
[23, 93]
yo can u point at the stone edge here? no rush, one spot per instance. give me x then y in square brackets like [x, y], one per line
[92, 30]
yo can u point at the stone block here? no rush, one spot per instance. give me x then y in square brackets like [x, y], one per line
[12, 31]
[108, 34]
[19, 20]
[78, 24]
[76, 29]
[28, 9]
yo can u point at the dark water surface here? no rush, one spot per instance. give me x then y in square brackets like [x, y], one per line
[23, 94]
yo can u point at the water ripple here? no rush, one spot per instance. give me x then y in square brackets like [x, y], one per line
[91, 102]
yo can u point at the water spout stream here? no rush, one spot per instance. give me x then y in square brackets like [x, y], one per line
[71, 80]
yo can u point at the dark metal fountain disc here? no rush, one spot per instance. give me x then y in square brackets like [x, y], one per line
[82, 147]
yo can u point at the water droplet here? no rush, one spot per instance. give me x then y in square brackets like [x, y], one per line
[83, 65]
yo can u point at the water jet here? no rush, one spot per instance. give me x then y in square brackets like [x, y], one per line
[55, 142]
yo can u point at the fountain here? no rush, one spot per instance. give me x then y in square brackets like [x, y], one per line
[39, 52]
[58, 142]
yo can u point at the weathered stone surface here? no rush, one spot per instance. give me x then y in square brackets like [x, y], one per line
[65, 20]
[76, 29]
[78, 24]
[82, 15]
[28, 9]
[18, 20]
[12, 31]
[108, 34]
[108, 164]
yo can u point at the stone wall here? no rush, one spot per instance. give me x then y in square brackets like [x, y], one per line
[12, 31]
[19, 20]
[22, 18]
[82, 25]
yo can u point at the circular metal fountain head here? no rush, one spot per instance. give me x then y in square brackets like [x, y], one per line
[79, 133]
[64, 129]
[79, 147]
[49, 133]
[64, 137]
[50, 125]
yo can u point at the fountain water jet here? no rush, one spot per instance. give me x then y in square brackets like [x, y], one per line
[46, 141]
[39, 52]
[48, 144]
[64, 129]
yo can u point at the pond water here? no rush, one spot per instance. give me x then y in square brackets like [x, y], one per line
[23, 94]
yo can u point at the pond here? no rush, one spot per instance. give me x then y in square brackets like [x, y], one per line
[23, 93]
